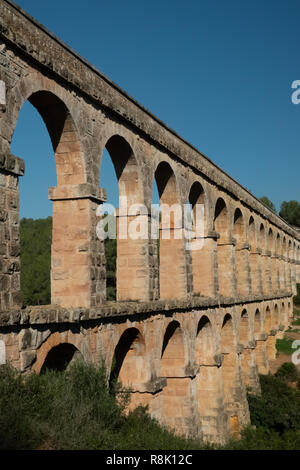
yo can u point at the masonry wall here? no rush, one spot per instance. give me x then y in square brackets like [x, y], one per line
[247, 262]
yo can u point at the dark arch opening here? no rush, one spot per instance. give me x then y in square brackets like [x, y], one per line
[130, 341]
[171, 329]
[60, 357]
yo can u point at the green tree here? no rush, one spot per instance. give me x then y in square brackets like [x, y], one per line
[36, 236]
[290, 211]
[266, 201]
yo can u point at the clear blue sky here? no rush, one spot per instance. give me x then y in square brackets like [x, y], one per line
[218, 72]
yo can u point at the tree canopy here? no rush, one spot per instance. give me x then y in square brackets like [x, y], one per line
[290, 211]
[266, 201]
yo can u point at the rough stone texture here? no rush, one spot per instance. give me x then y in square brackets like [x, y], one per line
[190, 330]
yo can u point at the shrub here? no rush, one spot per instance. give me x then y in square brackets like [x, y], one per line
[278, 407]
[288, 372]
[297, 296]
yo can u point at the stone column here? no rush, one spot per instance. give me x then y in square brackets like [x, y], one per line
[204, 260]
[266, 273]
[180, 401]
[78, 276]
[11, 168]
[271, 345]
[137, 266]
[262, 361]
[172, 263]
[282, 273]
[249, 366]
[242, 254]
[275, 274]
[236, 404]
[226, 269]
[255, 269]
[210, 401]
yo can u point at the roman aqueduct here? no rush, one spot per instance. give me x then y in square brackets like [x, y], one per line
[190, 330]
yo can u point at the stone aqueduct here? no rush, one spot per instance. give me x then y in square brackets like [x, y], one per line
[190, 332]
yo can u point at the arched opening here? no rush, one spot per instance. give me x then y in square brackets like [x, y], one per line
[129, 362]
[225, 250]
[229, 372]
[271, 340]
[35, 208]
[257, 324]
[289, 266]
[276, 264]
[60, 357]
[276, 318]
[283, 274]
[261, 344]
[265, 260]
[241, 254]
[176, 395]
[208, 380]
[172, 256]
[126, 244]
[173, 352]
[248, 365]
[268, 322]
[196, 203]
[255, 259]
[244, 328]
[69, 216]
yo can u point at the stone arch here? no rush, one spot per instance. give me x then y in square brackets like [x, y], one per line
[239, 229]
[67, 343]
[176, 395]
[284, 320]
[230, 374]
[126, 168]
[247, 358]
[262, 238]
[271, 240]
[60, 357]
[241, 253]
[276, 317]
[132, 246]
[221, 221]
[208, 380]
[64, 134]
[252, 233]
[69, 213]
[197, 202]
[129, 364]
[225, 250]
[244, 332]
[257, 324]
[173, 274]
[255, 257]
[173, 354]
[268, 320]
[205, 345]
[260, 349]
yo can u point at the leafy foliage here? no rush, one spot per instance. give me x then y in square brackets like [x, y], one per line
[75, 410]
[36, 239]
[290, 211]
[297, 297]
[278, 407]
[36, 236]
[266, 201]
[288, 372]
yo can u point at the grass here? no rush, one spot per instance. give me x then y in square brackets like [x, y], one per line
[284, 345]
